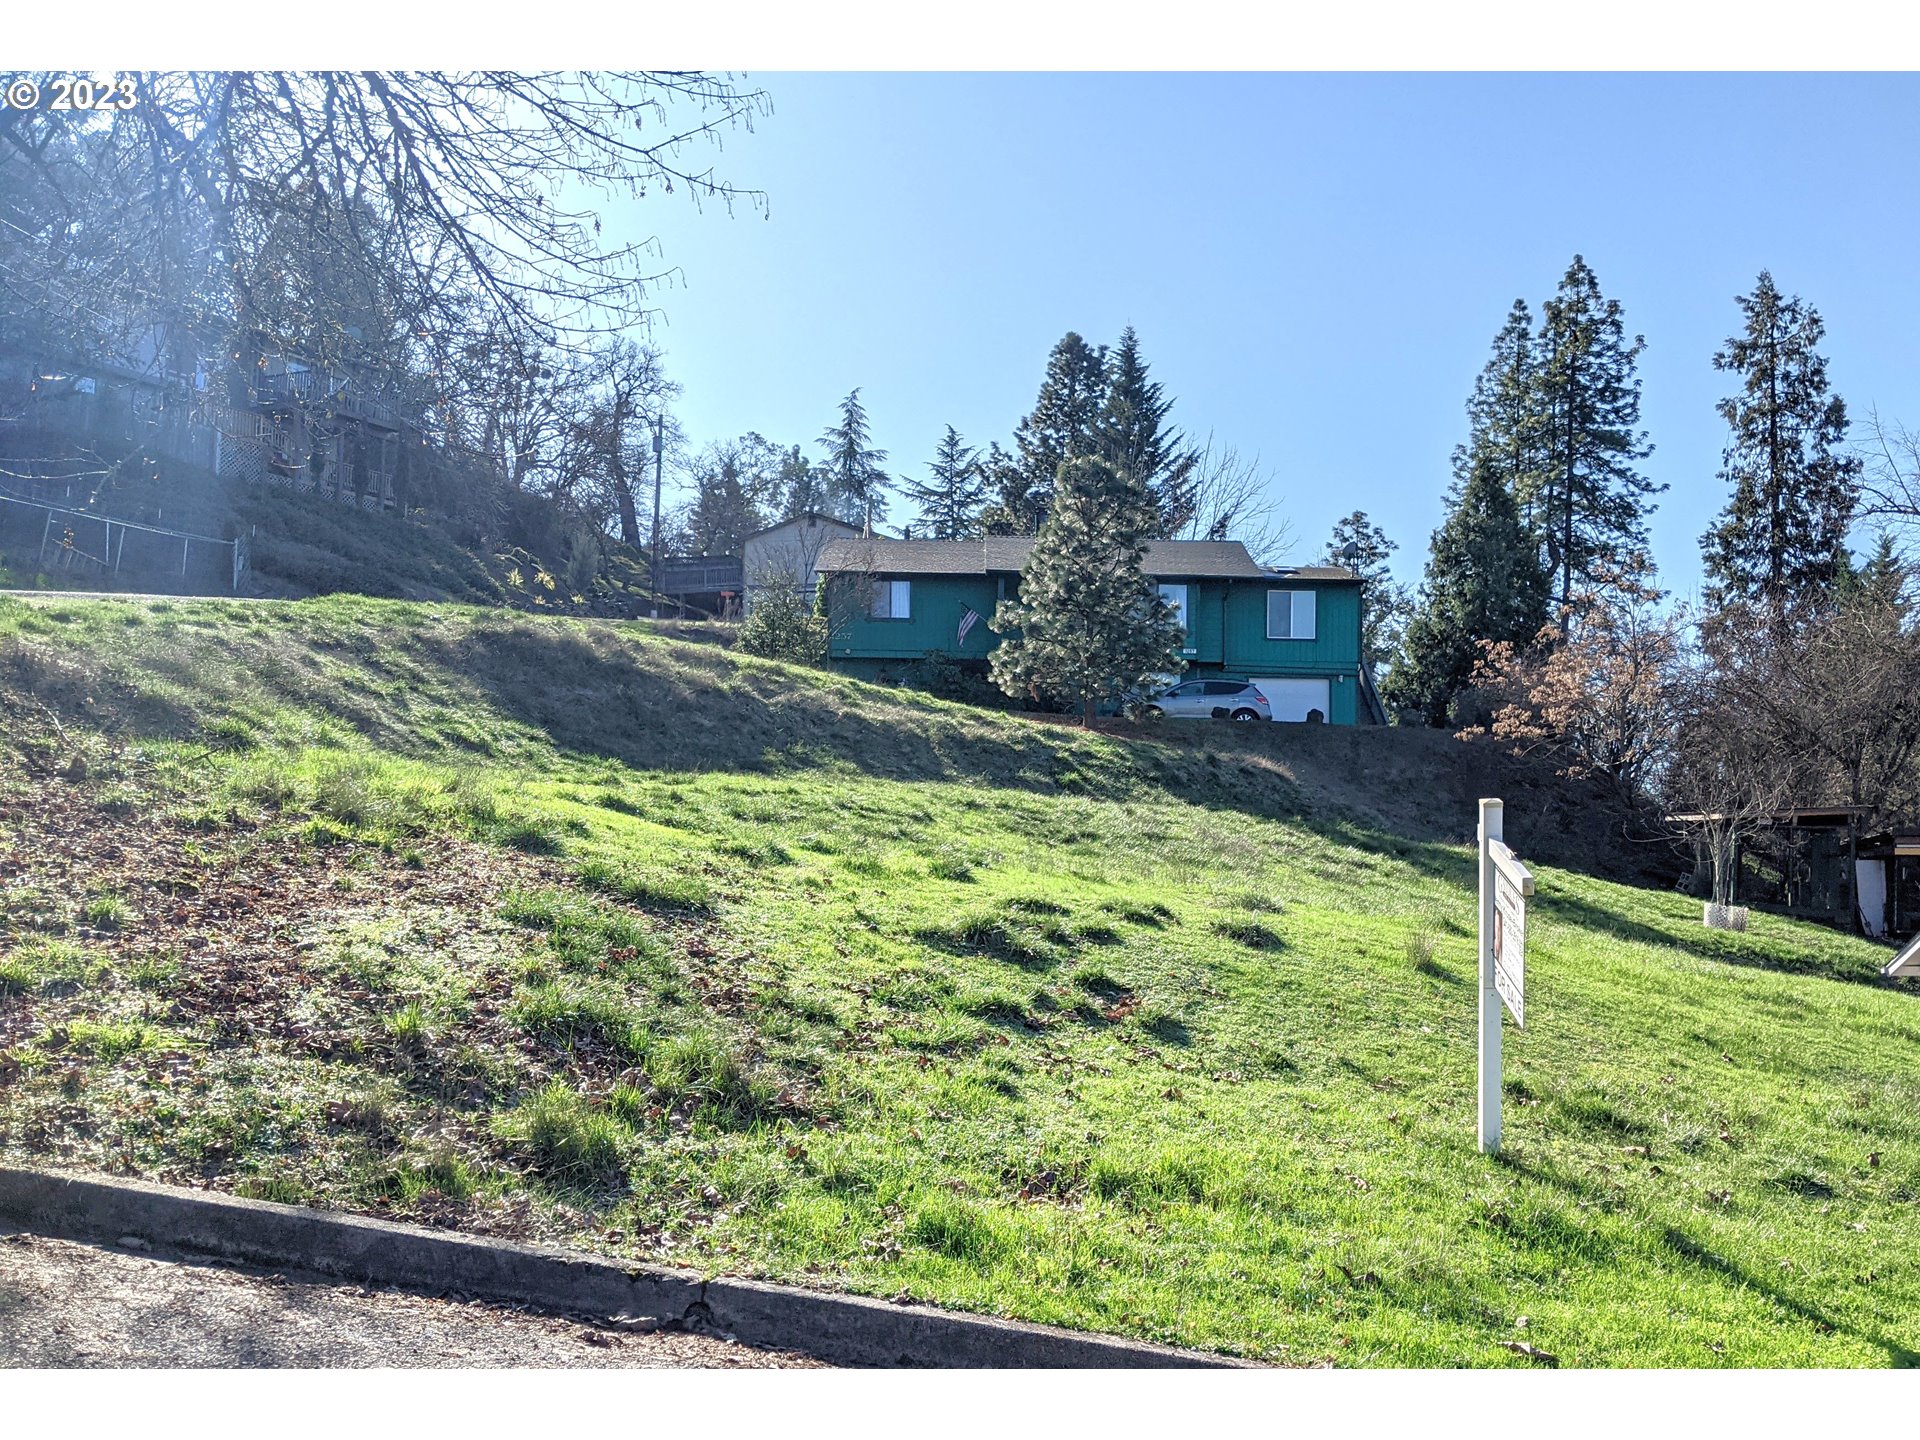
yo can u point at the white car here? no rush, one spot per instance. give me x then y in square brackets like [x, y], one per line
[1210, 699]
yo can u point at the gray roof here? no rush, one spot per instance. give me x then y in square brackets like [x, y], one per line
[903, 557]
[998, 554]
[814, 515]
[1316, 572]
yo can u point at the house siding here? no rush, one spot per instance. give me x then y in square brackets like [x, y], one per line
[1227, 630]
[938, 603]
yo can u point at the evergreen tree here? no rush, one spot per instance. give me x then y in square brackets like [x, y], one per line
[1783, 533]
[1363, 547]
[1484, 582]
[1885, 580]
[723, 512]
[1088, 625]
[950, 501]
[1132, 434]
[855, 483]
[1060, 428]
[802, 485]
[1588, 501]
[1506, 424]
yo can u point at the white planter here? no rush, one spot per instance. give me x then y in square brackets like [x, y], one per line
[1723, 917]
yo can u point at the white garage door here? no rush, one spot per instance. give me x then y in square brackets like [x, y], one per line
[1291, 699]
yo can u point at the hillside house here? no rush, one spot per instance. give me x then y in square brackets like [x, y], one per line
[785, 557]
[259, 414]
[1294, 632]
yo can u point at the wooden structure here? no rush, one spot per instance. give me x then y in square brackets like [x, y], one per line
[1796, 864]
[1889, 881]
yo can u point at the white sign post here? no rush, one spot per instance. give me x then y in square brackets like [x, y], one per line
[1504, 885]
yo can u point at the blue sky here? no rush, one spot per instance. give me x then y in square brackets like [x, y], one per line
[1316, 264]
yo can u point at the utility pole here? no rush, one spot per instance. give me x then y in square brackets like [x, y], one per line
[659, 571]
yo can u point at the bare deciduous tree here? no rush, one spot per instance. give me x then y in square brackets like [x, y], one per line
[1724, 778]
[1596, 690]
[1234, 499]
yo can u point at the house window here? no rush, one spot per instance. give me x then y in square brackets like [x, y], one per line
[1291, 614]
[892, 600]
[1176, 597]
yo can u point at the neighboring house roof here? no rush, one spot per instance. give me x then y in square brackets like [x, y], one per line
[814, 515]
[1315, 572]
[997, 554]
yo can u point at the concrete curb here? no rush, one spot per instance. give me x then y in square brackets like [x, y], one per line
[849, 1329]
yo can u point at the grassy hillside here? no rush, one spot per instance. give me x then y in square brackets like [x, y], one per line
[564, 929]
[532, 556]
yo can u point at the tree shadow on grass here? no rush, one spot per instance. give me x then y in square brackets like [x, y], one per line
[1685, 1246]
[1728, 947]
[1677, 1242]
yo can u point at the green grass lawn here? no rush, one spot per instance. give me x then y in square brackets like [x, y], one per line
[566, 930]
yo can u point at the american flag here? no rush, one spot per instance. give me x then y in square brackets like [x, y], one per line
[967, 622]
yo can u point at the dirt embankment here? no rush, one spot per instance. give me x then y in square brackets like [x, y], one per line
[1426, 784]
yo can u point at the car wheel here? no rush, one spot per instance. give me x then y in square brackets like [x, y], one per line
[1245, 714]
[1153, 712]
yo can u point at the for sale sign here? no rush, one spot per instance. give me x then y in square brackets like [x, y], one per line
[1510, 946]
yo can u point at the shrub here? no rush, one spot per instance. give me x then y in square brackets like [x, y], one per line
[938, 673]
[782, 626]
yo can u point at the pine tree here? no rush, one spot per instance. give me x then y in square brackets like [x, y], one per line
[1060, 428]
[1783, 533]
[1506, 424]
[1483, 582]
[1589, 501]
[1132, 434]
[856, 485]
[1363, 547]
[1088, 625]
[1885, 580]
[950, 501]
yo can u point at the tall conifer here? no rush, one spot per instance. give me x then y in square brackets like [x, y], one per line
[1088, 624]
[1132, 434]
[1506, 422]
[1783, 533]
[856, 485]
[1589, 502]
[1060, 427]
[951, 497]
[1483, 582]
[1363, 547]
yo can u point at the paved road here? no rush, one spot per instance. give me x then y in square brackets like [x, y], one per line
[69, 1305]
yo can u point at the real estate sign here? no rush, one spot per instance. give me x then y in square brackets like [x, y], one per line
[1510, 891]
[1505, 885]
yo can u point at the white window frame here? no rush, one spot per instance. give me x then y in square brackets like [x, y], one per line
[891, 600]
[1176, 596]
[1303, 615]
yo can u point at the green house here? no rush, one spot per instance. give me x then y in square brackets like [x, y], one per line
[1294, 632]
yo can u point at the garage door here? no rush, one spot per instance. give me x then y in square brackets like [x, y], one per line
[1291, 699]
